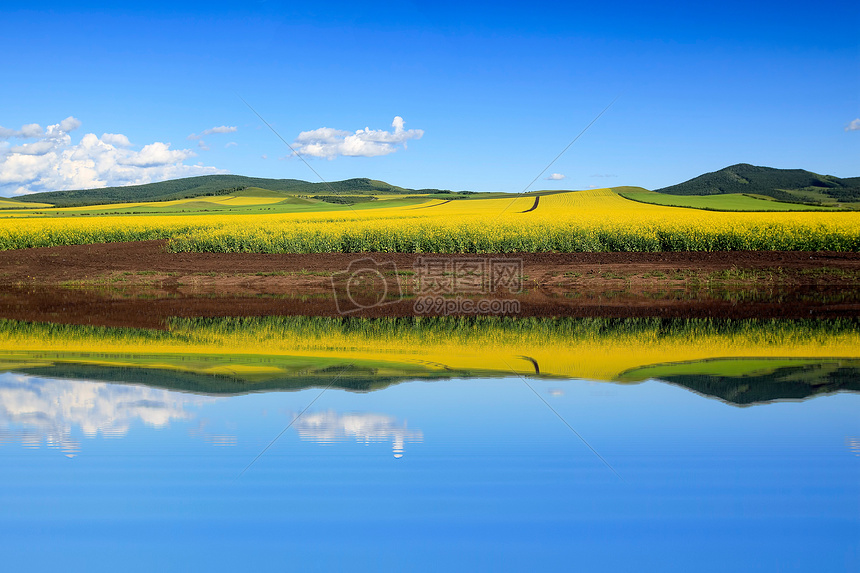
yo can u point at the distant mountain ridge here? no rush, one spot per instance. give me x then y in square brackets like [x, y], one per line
[793, 185]
[210, 185]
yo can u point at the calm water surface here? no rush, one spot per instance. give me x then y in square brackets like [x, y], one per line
[458, 474]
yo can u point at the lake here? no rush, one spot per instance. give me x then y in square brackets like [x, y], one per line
[434, 443]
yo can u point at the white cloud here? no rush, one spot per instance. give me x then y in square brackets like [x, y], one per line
[26, 132]
[37, 148]
[69, 124]
[202, 145]
[31, 130]
[222, 129]
[264, 156]
[854, 125]
[116, 139]
[54, 163]
[330, 143]
[556, 177]
[214, 130]
[56, 136]
[157, 154]
[231, 144]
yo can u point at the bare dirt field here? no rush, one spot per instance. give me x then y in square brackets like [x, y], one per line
[141, 284]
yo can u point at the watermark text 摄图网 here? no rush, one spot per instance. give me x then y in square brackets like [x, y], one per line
[445, 285]
[468, 276]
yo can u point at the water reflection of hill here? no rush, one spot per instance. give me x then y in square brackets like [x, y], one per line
[781, 383]
[746, 382]
[344, 378]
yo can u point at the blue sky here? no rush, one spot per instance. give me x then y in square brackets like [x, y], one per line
[488, 93]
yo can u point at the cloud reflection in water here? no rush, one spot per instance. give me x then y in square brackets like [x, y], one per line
[331, 427]
[43, 411]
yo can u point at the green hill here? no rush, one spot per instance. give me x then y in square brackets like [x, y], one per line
[208, 185]
[793, 185]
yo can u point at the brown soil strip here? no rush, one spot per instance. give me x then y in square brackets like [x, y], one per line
[153, 308]
[58, 265]
[141, 284]
[533, 207]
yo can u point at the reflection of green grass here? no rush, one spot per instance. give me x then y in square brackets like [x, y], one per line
[611, 275]
[679, 275]
[735, 274]
[823, 272]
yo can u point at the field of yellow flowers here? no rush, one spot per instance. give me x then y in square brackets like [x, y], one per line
[595, 220]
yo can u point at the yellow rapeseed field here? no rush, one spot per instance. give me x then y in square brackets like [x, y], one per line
[596, 220]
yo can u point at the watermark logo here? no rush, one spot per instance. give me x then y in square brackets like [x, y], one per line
[442, 285]
[366, 284]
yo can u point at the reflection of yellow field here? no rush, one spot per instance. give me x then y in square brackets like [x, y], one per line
[595, 220]
[593, 349]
